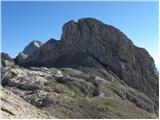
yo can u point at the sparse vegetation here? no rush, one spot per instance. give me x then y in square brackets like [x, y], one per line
[7, 111]
[4, 100]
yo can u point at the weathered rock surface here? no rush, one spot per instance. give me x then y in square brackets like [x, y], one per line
[94, 71]
[21, 56]
[69, 93]
[91, 43]
[6, 61]
[14, 107]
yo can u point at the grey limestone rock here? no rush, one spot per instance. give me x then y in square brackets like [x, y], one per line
[91, 43]
[92, 62]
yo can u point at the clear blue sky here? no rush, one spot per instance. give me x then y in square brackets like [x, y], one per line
[23, 22]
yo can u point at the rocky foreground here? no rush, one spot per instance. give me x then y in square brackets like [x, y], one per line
[13, 106]
[94, 71]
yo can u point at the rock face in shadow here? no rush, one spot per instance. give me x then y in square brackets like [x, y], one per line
[91, 43]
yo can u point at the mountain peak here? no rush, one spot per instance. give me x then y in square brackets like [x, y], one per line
[90, 20]
[37, 43]
[91, 59]
[31, 47]
[89, 28]
[91, 43]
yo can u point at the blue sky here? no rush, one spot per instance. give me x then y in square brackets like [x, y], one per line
[23, 22]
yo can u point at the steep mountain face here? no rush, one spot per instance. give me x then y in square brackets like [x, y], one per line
[94, 71]
[91, 43]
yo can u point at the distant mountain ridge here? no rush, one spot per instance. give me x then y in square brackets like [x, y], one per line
[28, 50]
[35, 44]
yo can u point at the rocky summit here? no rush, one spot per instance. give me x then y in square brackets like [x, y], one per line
[93, 71]
[29, 49]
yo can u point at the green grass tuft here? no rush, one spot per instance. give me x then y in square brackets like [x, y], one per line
[6, 110]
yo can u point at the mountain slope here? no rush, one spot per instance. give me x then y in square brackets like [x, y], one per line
[93, 44]
[94, 71]
[69, 93]
[14, 107]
